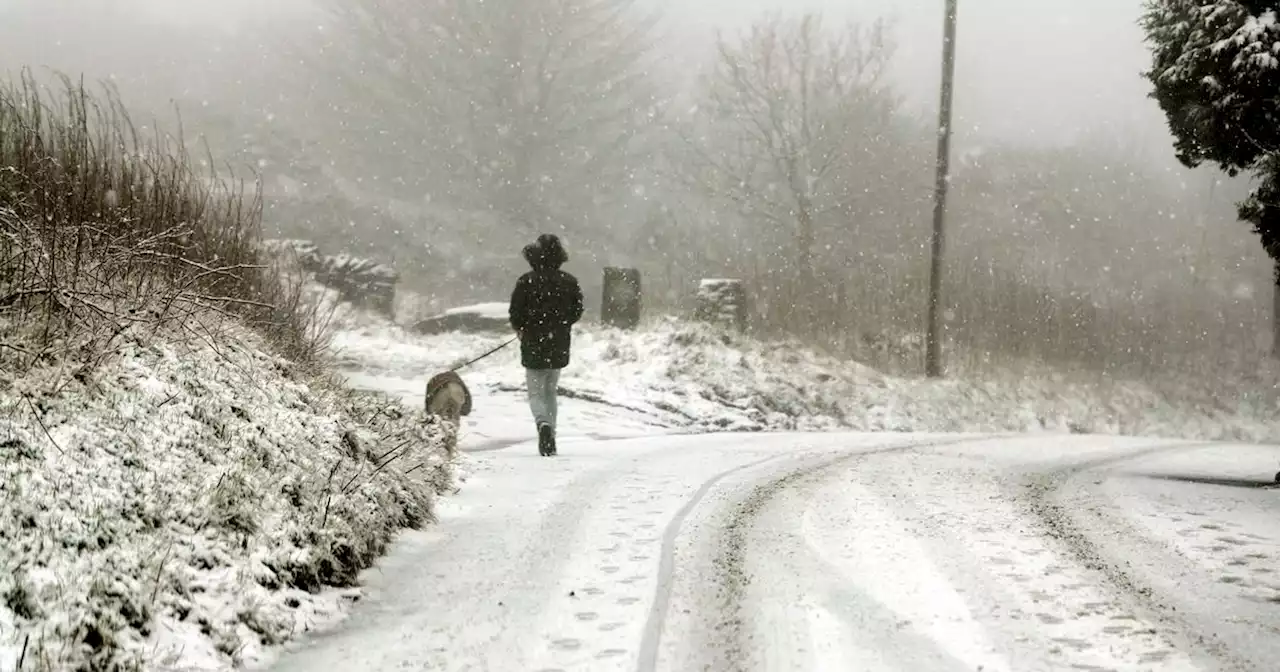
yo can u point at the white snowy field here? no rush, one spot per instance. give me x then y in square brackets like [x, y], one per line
[177, 499]
[645, 547]
[193, 505]
[679, 374]
[828, 551]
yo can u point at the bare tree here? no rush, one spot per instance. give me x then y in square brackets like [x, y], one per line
[793, 115]
[534, 109]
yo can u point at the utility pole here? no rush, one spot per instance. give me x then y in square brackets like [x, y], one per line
[933, 339]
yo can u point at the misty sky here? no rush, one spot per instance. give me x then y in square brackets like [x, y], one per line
[1032, 70]
[1028, 70]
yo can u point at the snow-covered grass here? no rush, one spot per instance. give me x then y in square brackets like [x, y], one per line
[171, 495]
[98, 222]
[719, 380]
[189, 501]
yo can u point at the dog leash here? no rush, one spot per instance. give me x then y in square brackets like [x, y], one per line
[466, 364]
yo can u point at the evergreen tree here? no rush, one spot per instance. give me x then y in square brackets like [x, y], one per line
[1216, 75]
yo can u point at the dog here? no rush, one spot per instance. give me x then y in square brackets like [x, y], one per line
[448, 397]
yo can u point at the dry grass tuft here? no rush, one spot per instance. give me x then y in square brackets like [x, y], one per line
[103, 226]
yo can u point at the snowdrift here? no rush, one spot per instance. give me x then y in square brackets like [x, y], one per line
[193, 498]
[704, 378]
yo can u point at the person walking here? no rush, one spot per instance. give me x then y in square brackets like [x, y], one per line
[545, 305]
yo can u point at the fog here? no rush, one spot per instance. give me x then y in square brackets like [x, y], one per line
[1028, 70]
[1032, 71]
[1071, 226]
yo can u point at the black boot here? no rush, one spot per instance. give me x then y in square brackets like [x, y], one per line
[546, 440]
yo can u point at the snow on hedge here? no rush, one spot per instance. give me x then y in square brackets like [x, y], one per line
[711, 379]
[1201, 31]
[195, 500]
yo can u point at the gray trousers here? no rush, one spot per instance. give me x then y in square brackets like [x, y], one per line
[542, 384]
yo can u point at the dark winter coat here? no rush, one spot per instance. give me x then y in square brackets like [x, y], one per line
[545, 305]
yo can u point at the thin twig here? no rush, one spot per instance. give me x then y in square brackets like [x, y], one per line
[155, 589]
[40, 421]
[378, 459]
[383, 466]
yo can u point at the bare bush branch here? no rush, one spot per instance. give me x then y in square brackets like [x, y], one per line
[99, 224]
[789, 112]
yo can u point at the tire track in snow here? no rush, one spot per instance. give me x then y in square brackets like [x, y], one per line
[730, 561]
[932, 629]
[1044, 495]
[598, 620]
[651, 639]
[666, 565]
[1033, 602]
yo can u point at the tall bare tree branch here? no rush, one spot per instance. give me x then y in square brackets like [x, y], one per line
[533, 109]
[788, 111]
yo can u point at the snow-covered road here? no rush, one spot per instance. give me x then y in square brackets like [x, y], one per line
[827, 552]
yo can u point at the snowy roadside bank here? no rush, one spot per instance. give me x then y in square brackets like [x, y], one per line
[717, 380]
[188, 501]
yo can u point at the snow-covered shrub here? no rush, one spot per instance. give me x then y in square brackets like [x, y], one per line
[99, 228]
[194, 497]
[168, 489]
[708, 378]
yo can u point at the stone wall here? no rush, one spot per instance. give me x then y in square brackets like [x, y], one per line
[360, 282]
